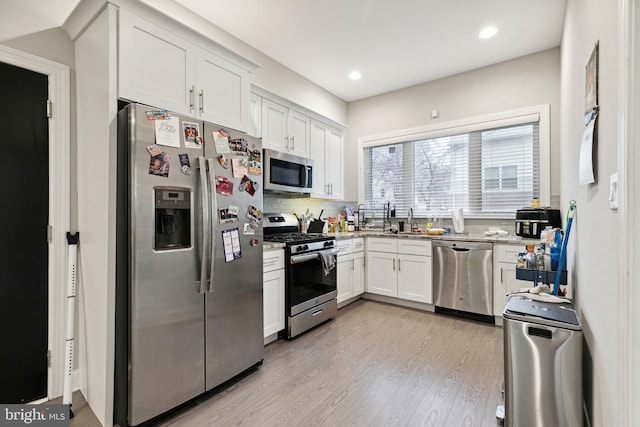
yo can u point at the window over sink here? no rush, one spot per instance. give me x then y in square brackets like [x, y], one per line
[489, 166]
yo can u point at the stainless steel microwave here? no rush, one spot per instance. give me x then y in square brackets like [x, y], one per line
[287, 173]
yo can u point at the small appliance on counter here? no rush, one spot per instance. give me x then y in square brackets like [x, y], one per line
[531, 221]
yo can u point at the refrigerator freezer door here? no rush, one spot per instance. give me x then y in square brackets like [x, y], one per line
[166, 307]
[234, 331]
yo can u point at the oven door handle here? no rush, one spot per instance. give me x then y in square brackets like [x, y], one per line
[297, 259]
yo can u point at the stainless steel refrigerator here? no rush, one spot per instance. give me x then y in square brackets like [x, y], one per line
[189, 260]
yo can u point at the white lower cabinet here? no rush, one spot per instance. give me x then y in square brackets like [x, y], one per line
[414, 278]
[273, 291]
[400, 268]
[350, 268]
[505, 258]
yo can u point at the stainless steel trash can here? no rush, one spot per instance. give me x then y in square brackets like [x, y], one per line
[542, 364]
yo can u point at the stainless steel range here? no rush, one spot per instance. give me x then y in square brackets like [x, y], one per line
[310, 283]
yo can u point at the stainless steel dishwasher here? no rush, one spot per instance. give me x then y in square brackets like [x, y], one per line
[463, 279]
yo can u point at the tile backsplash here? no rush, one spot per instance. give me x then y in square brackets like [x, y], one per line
[277, 204]
[274, 203]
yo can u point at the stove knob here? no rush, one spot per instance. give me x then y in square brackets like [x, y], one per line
[305, 247]
[327, 244]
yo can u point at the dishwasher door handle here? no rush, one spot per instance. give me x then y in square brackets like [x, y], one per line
[461, 249]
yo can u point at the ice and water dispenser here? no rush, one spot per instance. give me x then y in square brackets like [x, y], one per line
[172, 218]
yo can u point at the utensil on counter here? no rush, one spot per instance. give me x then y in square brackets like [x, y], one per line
[317, 225]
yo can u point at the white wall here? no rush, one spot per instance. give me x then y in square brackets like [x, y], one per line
[594, 266]
[523, 82]
[97, 110]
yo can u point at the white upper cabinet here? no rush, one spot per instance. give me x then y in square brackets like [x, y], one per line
[222, 92]
[164, 70]
[327, 151]
[285, 129]
[154, 65]
[299, 128]
[274, 125]
[255, 113]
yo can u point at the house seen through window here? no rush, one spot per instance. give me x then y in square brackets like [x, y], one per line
[487, 171]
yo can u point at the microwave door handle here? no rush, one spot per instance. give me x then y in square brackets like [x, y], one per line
[214, 213]
[206, 234]
[304, 175]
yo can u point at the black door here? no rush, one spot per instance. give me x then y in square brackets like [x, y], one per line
[24, 213]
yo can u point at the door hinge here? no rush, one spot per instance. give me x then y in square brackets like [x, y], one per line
[49, 108]
[49, 233]
[48, 358]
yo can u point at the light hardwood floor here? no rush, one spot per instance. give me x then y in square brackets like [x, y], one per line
[374, 365]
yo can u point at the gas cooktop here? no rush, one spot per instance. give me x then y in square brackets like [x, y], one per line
[295, 238]
[285, 228]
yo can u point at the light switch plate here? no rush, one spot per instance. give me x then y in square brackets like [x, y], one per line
[613, 191]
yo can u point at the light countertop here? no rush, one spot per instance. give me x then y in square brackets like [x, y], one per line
[461, 237]
[510, 239]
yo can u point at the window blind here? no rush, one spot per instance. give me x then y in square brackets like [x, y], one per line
[486, 170]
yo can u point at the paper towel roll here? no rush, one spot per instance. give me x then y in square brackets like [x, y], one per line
[458, 220]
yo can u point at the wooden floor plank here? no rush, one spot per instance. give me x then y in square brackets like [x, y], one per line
[374, 365]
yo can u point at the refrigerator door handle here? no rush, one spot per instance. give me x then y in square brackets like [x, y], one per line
[214, 215]
[206, 232]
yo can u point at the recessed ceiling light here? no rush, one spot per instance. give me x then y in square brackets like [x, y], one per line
[355, 75]
[488, 32]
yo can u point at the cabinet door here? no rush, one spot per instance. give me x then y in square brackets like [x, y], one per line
[414, 246]
[155, 66]
[274, 125]
[255, 113]
[382, 245]
[381, 274]
[334, 163]
[299, 131]
[357, 279]
[222, 92]
[357, 244]
[317, 153]
[344, 247]
[273, 300]
[343, 277]
[414, 278]
[272, 260]
[505, 282]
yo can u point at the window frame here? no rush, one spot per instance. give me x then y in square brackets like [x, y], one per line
[538, 113]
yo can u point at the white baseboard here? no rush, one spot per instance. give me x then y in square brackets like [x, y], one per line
[271, 338]
[76, 380]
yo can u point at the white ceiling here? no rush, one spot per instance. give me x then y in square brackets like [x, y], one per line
[324, 40]
[393, 44]
[20, 17]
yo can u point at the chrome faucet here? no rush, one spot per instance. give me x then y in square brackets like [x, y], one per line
[386, 215]
[411, 220]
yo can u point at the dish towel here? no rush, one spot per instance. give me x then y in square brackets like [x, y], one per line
[328, 258]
